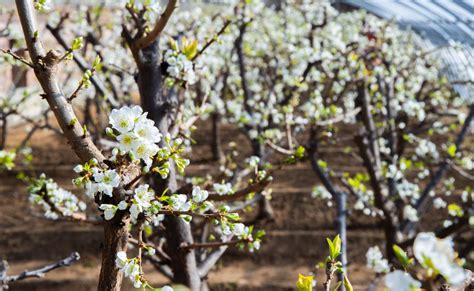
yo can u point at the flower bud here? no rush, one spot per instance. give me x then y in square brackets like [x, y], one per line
[110, 132]
[78, 169]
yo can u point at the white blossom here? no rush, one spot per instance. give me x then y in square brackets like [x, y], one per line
[143, 196]
[400, 281]
[223, 189]
[427, 149]
[239, 229]
[180, 202]
[438, 203]
[53, 199]
[129, 267]
[121, 259]
[199, 195]
[147, 131]
[253, 161]
[410, 213]
[123, 119]
[78, 169]
[441, 254]
[109, 210]
[375, 260]
[128, 141]
[179, 67]
[106, 181]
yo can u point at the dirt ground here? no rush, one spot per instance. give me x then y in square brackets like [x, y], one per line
[295, 240]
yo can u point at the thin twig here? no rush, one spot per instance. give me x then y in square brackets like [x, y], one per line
[17, 57]
[212, 244]
[159, 26]
[213, 39]
[38, 273]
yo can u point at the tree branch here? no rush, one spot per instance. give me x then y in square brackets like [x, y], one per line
[443, 232]
[255, 187]
[45, 69]
[425, 199]
[38, 273]
[80, 61]
[213, 39]
[17, 57]
[212, 244]
[211, 260]
[159, 26]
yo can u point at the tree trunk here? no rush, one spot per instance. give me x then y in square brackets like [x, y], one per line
[162, 109]
[183, 262]
[115, 240]
[216, 145]
[391, 238]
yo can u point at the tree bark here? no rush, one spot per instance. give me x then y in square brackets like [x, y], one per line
[216, 144]
[45, 67]
[115, 240]
[162, 109]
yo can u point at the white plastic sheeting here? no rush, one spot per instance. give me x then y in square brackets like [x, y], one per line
[441, 23]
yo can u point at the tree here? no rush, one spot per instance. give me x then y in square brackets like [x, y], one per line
[147, 149]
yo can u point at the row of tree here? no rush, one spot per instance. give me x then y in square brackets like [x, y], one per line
[295, 79]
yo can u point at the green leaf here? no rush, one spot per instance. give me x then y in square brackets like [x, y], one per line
[173, 44]
[97, 63]
[455, 210]
[73, 122]
[304, 283]
[401, 256]
[452, 150]
[299, 152]
[322, 164]
[337, 246]
[347, 284]
[334, 247]
[190, 49]
[77, 43]
[331, 247]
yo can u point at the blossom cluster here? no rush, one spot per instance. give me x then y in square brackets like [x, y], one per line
[54, 200]
[434, 254]
[133, 131]
[375, 260]
[179, 66]
[439, 254]
[137, 135]
[320, 192]
[223, 188]
[131, 269]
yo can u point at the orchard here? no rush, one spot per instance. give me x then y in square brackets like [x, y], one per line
[171, 130]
